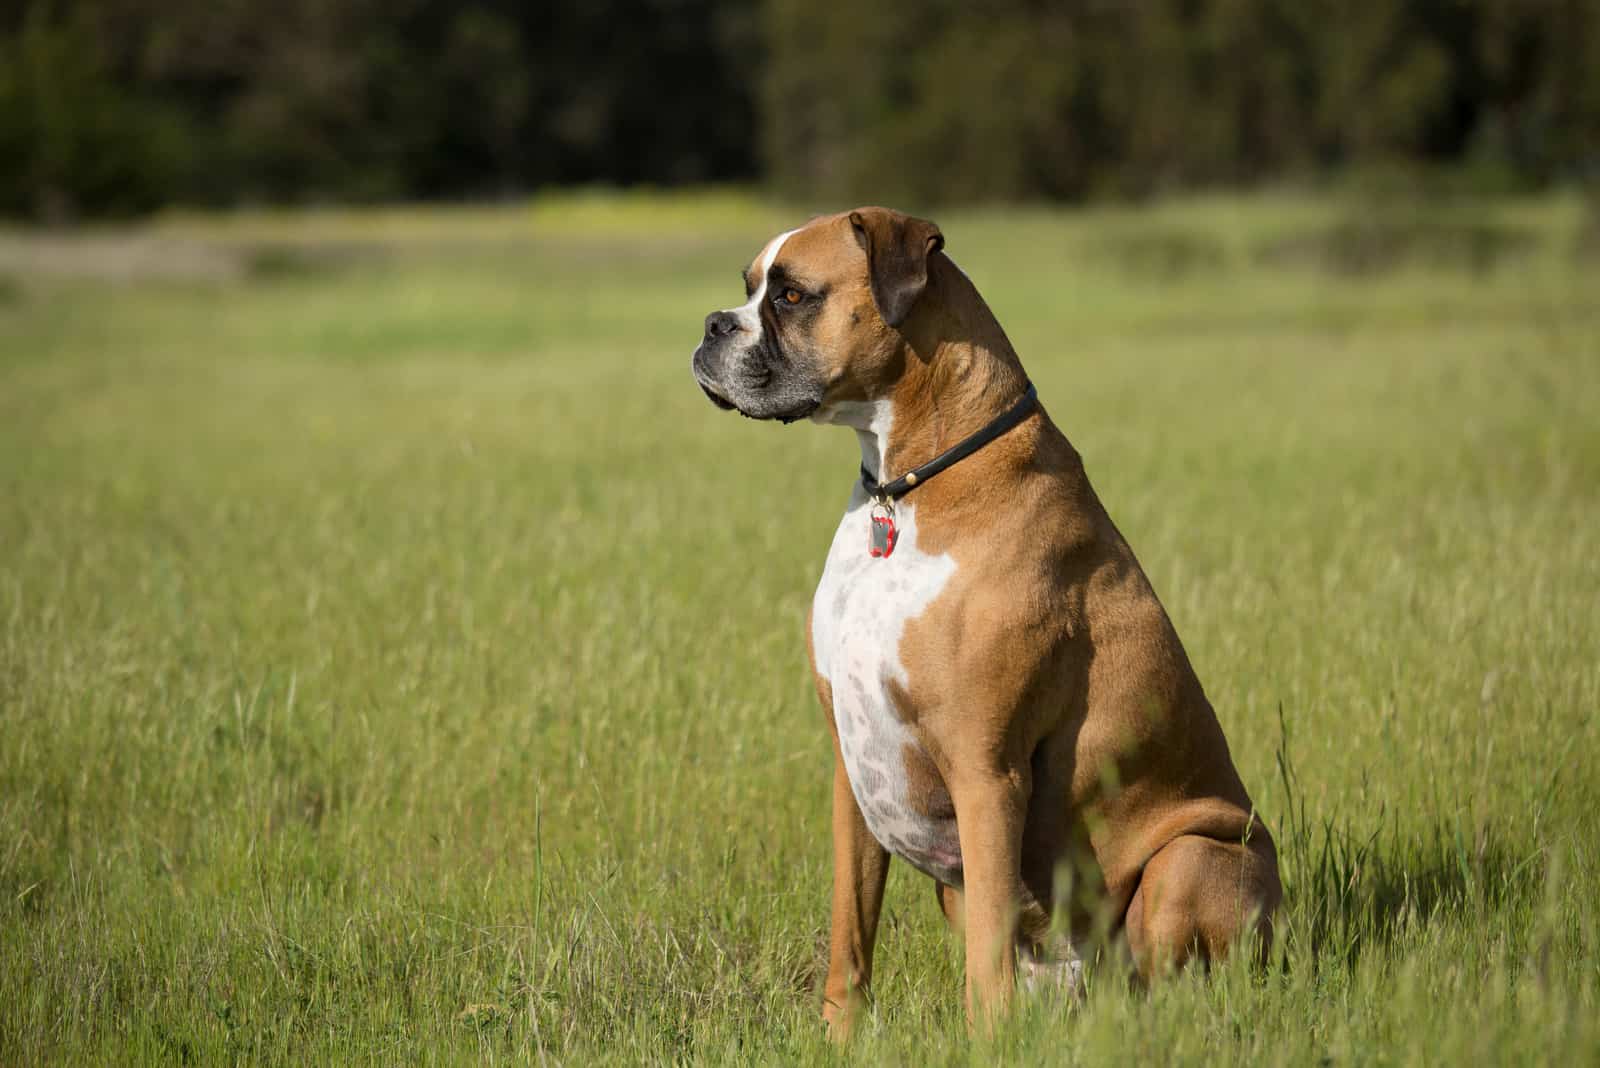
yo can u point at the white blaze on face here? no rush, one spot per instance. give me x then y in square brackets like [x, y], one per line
[749, 313]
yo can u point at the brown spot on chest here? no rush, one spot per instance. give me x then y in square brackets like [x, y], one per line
[925, 790]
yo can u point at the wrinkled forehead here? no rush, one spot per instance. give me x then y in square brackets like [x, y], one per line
[822, 249]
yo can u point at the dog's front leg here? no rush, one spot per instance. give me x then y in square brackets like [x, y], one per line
[860, 866]
[991, 808]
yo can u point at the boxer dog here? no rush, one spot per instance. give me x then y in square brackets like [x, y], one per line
[1012, 712]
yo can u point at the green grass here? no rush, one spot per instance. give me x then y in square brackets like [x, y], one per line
[400, 661]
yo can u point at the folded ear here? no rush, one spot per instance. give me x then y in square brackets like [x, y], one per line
[897, 247]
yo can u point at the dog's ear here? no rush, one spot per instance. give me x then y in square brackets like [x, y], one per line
[897, 247]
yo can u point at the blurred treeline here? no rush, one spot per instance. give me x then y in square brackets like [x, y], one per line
[118, 106]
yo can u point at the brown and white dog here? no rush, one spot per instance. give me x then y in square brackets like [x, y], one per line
[1011, 708]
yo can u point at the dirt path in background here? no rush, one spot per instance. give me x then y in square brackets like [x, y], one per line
[118, 257]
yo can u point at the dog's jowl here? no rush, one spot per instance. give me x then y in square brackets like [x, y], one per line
[1009, 704]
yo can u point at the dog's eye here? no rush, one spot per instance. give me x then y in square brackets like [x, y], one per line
[791, 296]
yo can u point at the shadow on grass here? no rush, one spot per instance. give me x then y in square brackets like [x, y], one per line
[1346, 893]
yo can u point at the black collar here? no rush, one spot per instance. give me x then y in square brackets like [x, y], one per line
[893, 491]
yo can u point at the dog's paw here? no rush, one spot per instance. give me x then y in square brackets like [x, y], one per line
[1058, 973]
[841, 1015]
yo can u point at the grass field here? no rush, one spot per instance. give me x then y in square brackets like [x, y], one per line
[401, 661]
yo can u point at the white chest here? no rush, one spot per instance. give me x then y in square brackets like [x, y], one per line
[858, 617]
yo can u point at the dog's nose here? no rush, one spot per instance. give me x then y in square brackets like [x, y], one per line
[720, 324]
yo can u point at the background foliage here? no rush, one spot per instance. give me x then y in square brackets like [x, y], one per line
[116, 106]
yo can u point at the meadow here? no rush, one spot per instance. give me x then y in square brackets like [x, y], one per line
[402, 662]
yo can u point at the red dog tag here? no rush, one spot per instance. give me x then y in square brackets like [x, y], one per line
[881, 543]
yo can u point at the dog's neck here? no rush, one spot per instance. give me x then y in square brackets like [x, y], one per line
[959, 372]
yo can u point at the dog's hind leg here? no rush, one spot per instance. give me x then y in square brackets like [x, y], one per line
[1197, 897]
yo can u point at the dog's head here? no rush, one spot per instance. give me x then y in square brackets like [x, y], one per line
[821, 322]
